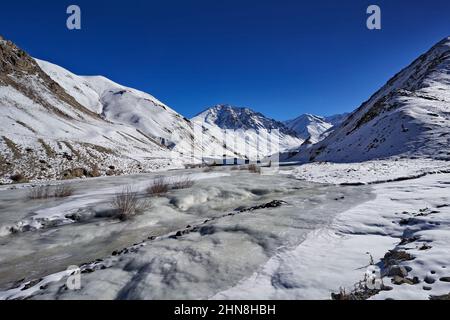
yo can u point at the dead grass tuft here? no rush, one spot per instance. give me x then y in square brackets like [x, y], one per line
[40, 192]
[183, 183]
[253, 168]
[19, 178]
[127, 204]
[46, 192]
[158, 187]
[63, 191]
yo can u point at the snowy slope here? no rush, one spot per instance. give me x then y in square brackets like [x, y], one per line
[244, 124]
[123, 105]
[336, 119]
[137, 109]
[409, 116]
[309, 127]
[58, 125]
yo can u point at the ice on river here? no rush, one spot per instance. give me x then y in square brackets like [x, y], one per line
[197, 242]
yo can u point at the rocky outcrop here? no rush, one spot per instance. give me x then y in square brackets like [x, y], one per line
[16, 66]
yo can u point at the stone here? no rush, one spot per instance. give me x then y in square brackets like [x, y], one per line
[425, 247]
[31, 284]
[429, 280]
[397, 271]
[397, 280]
[443, 297]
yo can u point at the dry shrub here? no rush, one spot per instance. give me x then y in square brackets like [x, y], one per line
[183, 183]
[19, 178]
[193, 166]
[95, 172]
[253, 168]
[63, 191]
[46, 192]
[40, 192]
[127, 204]
[158, 187]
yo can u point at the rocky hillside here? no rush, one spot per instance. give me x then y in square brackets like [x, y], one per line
[57, 125]
[408, 117]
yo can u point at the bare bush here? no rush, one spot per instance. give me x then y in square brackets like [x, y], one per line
[158, 187]
[19, 178]
[253, 168]
[128, 204]
[183, 183]
[63, 191]
[40, 192]
[46, 192]
[193, 166]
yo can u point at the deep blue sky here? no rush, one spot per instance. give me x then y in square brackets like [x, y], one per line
[282, 58]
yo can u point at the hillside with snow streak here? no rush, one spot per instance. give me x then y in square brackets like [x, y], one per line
[408, 117]
[58, 125]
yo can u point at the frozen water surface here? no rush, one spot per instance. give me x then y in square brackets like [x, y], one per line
[224, 244]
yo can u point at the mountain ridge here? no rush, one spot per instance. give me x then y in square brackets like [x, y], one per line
[245, 124]
[59, 124]
[409, 116]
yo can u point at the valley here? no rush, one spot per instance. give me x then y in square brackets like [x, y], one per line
[152, 205]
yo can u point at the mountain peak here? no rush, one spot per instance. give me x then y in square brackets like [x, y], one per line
[226, 116]
[309, 127]
[250, 127]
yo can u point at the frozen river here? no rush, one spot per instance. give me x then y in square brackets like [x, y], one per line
[224, 244]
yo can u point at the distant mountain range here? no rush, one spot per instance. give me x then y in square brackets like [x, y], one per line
[247, 126]
[56, 124]
[314, 128]
[293, 133]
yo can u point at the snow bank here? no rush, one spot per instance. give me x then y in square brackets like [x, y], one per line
[376, 171]
[338, 256]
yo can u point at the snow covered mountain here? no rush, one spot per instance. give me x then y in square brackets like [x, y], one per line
[409, 116]
[56, 124]
[125, 106]
[244, 125]
[309, 127]
[229, 117]
[313, 128]
[336, 119]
